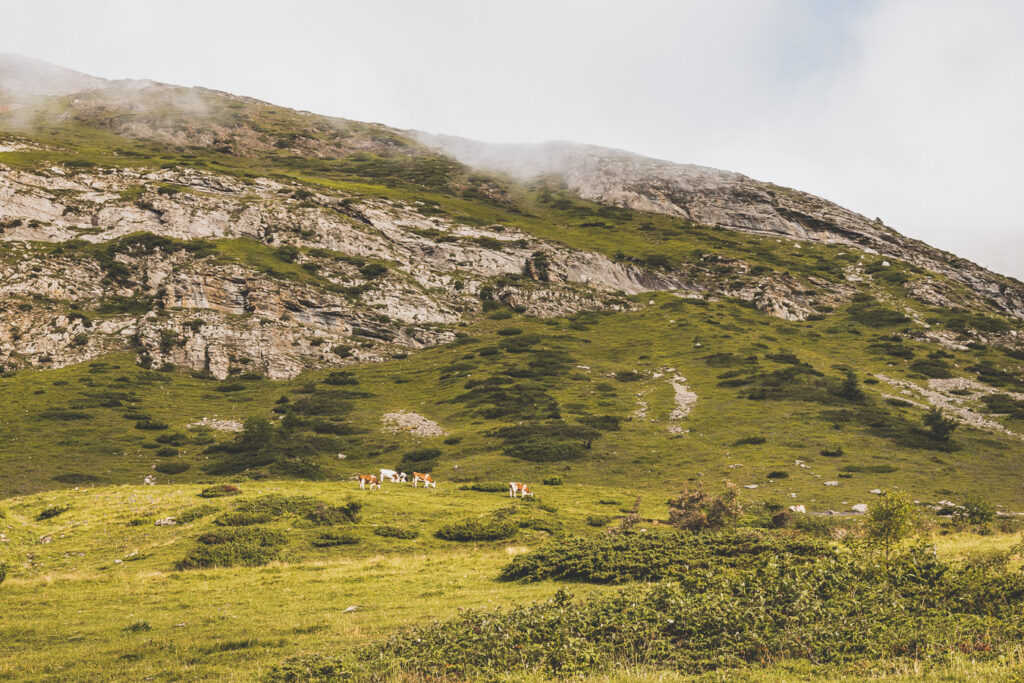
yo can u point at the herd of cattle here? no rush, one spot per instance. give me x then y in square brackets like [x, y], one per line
[373, 481]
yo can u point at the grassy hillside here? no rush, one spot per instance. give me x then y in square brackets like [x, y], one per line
[769, 393]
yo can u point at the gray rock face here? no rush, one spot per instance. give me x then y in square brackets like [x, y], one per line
[721, 199]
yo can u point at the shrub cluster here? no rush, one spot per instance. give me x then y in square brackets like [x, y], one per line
[825, 607]
[652, 556]
[248, 547]
[492, 528]
[330, 539]
[51, 511]
[219, 491]
[391, 531]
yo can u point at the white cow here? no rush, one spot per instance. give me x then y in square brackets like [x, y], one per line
[393, 476]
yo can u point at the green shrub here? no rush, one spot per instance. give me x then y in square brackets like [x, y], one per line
[268, 508]
[836, 452]
[194, 513]
[391, 531]
[329, 539]
[650, 556]
[176, 467]
[151, 425]
[220, 491]
[470, 529]
[698, 510]
[552, 481]
[77, 478]
[778, 474]
[3, 572]
[249, 547]
[974, 511]
[486, 486]
[869, 469]
[166, 452]
[749, 441]
[51, 511]
[598, 520]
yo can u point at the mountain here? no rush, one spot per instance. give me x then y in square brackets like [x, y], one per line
[174, 261]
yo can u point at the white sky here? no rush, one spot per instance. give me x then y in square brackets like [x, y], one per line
[911, 110]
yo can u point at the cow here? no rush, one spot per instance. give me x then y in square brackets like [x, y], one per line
[522, 489]
[365, 479]
[393, 476]
[425, 478]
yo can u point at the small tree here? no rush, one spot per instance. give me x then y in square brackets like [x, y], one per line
[975, 510]
[938, 425]
[850, 388]
[698, 510]
[891, 519]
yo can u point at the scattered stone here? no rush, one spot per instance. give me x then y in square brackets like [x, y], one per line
[48, 538]
[860, 508]
[798, 508]
[352, 608]
[165, 521]
[750, 486]
[831, 483]
[219, 425]
[150, 480]
[414, 423]
[877, 492]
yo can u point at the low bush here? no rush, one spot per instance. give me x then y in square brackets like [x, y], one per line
[151, 425]
[268, 508]
[330, 539]
[248, 547]
[391, 531]
[552, 481]
[869, 469]
[485, 486]
[176, 467]
[778, 474]
[220, 491]
[76, 478]
[487, 529]
[51, 511]
[3, 572]
[197, 512]
[749, 441]
[832, 452]
[166, 452]
[598, 520]
[650, 556]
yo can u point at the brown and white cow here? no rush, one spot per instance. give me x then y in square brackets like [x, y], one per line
[365, 479]
[522, 489]
[425, 478]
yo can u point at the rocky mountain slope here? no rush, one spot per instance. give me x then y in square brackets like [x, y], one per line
[216, 237]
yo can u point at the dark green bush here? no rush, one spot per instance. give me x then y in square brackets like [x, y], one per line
[486, 486]
[197, 512]
[176, 467]
[749, 441]
[552, 481]
[329, 539]
[487, 529]
[51, 511]
[598, 520]
[391, 531]
[219, 491]
[635, 556]
[869, 469]
[151, 425]
[166, 452]
[249, 547]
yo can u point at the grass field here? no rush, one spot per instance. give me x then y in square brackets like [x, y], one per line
[93, 593]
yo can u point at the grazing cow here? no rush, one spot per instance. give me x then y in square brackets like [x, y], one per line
[365, 479]
[393, 476]
[522, 489]
[425, 478]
